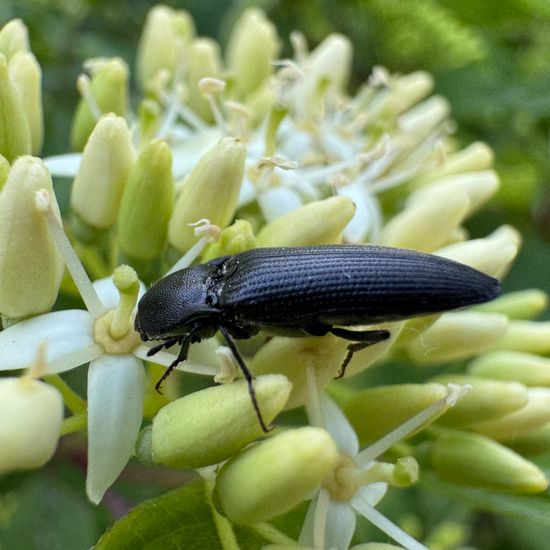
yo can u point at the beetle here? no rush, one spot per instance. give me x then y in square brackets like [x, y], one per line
[301, 291]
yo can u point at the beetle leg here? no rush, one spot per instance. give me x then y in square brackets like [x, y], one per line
[246, 373]
[182, 356]
[363, 339]
[166, 344]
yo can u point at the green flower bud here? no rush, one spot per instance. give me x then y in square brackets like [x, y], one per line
[533, 443]
[487, 399]
[319, 222]
[210, 191]
[420, 121]
[14, 38]
[478, 186]
[165, 35]
[492, 255]
[31, 266]
[528, 336]
[458, 335]
[209, 426]
[26, 76]
[105, 167]
[523, 304]
[294, 356]
[109, 90]
[31, 412]
[274, 475]
[427, 225]
[149, 116]
[251, 50]
[147, 204]
[534, 415]
[203, 61]
[234, 239]
[4, 171]
[531, 370]
[474, 460]
[374, 412]
[15, 137]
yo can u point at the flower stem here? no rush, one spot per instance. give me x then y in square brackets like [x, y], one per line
[72, 400]
[223, 526]
[75, 423]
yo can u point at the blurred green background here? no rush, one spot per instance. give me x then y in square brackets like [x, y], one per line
[491, 59]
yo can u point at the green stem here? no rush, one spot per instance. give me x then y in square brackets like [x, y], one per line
[272, 534]
[223, 525]
[76, 423]
[72, 400]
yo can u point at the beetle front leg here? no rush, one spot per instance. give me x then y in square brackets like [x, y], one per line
[362, 340]
[182, 356]
[246, 373]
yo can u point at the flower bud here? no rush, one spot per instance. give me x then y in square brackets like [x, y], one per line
[487, 399]
[251, 50]
[527, 336]
[211, 425]
[31, 412]
[14, 38]
[210, 191]
[473, 460]
[15, 137]
[458, 335]
[529, 369]
[147, 204]
[491, 255]
[4, 171]
[234, 239]
[319, 222]
[420, 121]
[31, 265]
[274, 475]
[203, 61]
[106, 163]
[294, 356]
[162, 44]
[426, 225]
[109, 90]
[478, 186]
[522, 304]
[149, 119]
[534, 415]
[374, 412]
[26, 76]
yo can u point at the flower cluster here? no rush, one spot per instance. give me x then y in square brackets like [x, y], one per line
[221, 155]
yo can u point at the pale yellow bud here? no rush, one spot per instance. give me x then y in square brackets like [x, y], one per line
[528, 336]
[31, 266]
[251, 50]
[210, 191]
[14, 38]
[274, 475]
[532, 443]
[106, 163]
[522, 304]
[458, 335]
[319, 222]
[26, 76]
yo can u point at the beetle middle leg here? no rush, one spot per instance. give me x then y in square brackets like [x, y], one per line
[247, 375]
[361, 339]
[182, 356]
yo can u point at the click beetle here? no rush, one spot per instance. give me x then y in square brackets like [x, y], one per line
[303, 291]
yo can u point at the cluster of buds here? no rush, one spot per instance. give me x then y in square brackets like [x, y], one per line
[221, 156]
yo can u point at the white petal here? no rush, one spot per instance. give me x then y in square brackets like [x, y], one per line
[166, 359]
[108, 293]
[339, 427]
[66, 333]
[340, 525]
[361, 506]
[64, 165]
[374, 492]
[278, 201]
[187, 154]
[361, 223]
[115, 411]
[314, 527]
[306, 534]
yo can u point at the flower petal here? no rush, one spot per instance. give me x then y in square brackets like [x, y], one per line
[65, 166]
[373, 493]
[339, 427]
[115, 410]
[340, 525]
[361, 506]
[68, 335]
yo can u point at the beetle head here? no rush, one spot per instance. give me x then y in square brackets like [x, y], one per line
[178, 304]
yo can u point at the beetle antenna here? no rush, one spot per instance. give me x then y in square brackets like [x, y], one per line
[182, 356]
[247, 375]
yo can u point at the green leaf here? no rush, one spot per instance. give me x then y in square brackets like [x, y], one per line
[182, 518]
[531, 507]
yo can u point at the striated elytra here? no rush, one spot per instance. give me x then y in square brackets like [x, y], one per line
[304, 291]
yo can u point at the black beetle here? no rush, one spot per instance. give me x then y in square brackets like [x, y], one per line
[304, 291]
